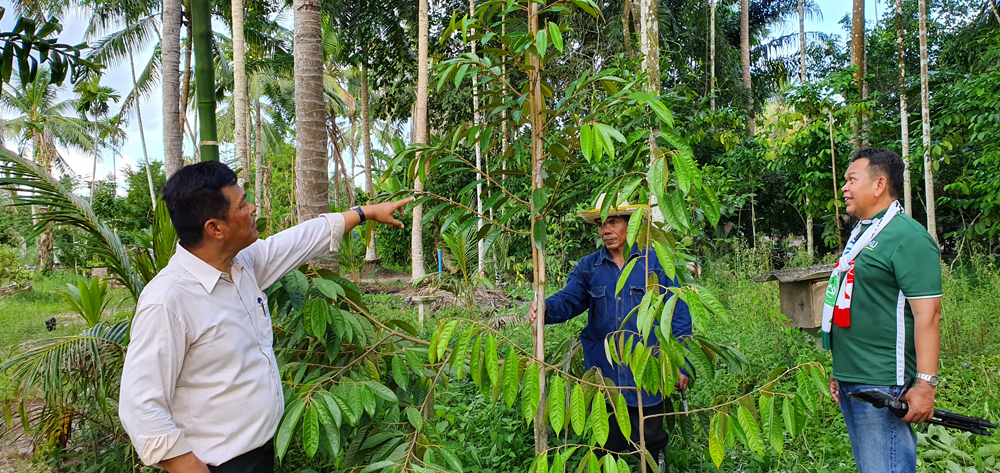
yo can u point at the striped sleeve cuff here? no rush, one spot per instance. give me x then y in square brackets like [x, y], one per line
[337, 224]
[921, 297]
[163, 447]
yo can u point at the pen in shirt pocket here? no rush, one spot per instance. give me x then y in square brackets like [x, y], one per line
[262, 306]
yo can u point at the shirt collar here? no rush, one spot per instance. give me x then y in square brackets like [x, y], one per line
[205, 273]
[602, 254]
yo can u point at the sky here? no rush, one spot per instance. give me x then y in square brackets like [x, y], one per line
[119, 78]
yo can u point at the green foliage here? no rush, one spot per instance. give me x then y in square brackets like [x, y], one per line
[88, 298]
[11, 269]
[27, 37]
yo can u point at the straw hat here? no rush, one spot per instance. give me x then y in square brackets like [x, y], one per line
[622, 209]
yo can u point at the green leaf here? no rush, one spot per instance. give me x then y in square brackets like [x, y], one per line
[447, 329]
[314, 317]
[531, 394]
[367, 399]
[716, 440]
[288, 423]
[413, 360]
[511, 377]
[333, 407]
[451, 458]
[610, 464]
[476, 361]
[634, 222]
[621, 415]
[607, 135]
[577, 409]
[702, 364]
[624, 276]
[413, 415]
[710, 205]
[771, 422]
[788, 414]
[712, 303]
[675, 211]
[310, 431]
[542, 461]
[586, 141]
[399, 372]
[799, 414]
[599, 419]
[329, 288]
[751, 429]
[656, 177]
[382, 391]
[685, 169]
[378, 466]
[556, 36]
[557, 404]
[492, 364]
[541, 42]
[461, 349]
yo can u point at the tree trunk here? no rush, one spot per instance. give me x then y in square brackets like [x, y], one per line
[481, 244]
[925, 116]
[745, 61]
[258, 155]
[142, 134]
[312, 176]
[810, 240]
[904, 116]
[170, 54]
[371, 254]
[711, 53]
[858, 60]
[650, 44]
[836, 198]
[186, 83]
[97, 155]
[240, 92]
[201, 29]
[536, 110]
[422, 137]
[626, 34]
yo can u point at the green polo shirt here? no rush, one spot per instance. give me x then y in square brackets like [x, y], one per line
[902, 262]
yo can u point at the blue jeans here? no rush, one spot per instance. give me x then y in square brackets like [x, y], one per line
[881, 442]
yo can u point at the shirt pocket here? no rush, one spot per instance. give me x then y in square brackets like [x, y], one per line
[262, 320]
[598, 302]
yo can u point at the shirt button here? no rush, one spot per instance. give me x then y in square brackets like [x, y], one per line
[619, 297]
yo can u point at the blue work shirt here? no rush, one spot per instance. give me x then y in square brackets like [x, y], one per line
[591, 287]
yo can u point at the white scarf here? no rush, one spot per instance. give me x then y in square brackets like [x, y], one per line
[838, 296]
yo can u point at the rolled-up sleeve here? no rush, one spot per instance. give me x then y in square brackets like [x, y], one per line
[570, 302]
[284, 251]
[153, 362]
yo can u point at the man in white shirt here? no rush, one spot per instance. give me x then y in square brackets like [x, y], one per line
[200, 390]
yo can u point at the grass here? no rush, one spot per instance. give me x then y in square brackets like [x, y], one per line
[23, 316]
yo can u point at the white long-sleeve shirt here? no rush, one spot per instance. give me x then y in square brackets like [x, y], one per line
[200, 373]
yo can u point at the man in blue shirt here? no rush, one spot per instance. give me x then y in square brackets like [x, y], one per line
[591, 287]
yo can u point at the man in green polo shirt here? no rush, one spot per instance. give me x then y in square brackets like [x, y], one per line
[884, 324]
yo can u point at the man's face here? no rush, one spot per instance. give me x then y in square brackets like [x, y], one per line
[861, 190]
[241, 226]
[613, 231]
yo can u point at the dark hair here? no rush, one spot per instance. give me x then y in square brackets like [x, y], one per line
[882, 162]
[194, 195]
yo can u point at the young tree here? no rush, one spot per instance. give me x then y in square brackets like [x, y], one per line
[420, 135]
[904, 116]
[745, 62]
[925, 115]
[94, 100]
[858, 60]
[312, 189]
[711, 53]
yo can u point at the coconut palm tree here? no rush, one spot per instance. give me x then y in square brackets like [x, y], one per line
[94, 99]
[46, 122]
[311, 165]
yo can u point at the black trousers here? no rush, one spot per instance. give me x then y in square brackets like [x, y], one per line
[656, 435]
[258, 460]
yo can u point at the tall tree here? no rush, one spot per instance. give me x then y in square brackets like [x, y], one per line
[420, 135]
[312, 176]
[170, 50]
[650, 43]
[904, 116]
[481, 244]
[536, 111]
[94, 99]
[366, 141]
[240, 105]
[810, 240]
[925, 116]
[202, 41]
[745, 62]
[858, 60]
[711, 53]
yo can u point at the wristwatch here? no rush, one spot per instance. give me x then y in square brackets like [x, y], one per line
[361, 213]
[931, 380]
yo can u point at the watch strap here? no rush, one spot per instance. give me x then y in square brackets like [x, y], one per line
[931, 380]
[361, 213]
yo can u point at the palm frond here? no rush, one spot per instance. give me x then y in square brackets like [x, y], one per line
[35, 186]
[146, 84]
[113, 50]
